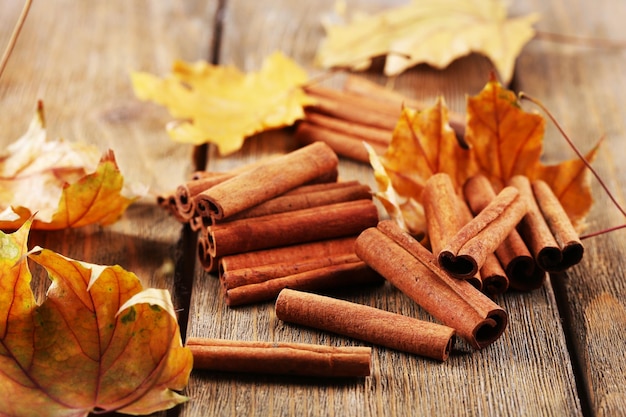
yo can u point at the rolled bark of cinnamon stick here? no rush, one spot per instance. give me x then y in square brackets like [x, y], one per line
[464, 255]
[185, 193]
[445, 215]
[361, 86]
[268, 180]
[362, 131]
[347, 106]
[308, 196]
[257, 274]
[278, 358]
[414, 270]
[353, 274]
[287, 254]
[560, 225]
[300, 226]
[520, 267]
[365, 323]
[343, 144]
[534, 229]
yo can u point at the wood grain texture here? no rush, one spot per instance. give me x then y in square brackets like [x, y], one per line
[526, 372]
[581, 83]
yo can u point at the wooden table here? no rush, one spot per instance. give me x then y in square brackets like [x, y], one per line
[563, 351]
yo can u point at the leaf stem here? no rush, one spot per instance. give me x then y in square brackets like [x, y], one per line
[584, 160]
[16, 32]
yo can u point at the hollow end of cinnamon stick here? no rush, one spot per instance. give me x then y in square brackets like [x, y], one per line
[462, 267]
[490, 329]
[524, 274]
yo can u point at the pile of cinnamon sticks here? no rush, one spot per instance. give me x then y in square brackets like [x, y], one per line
[283, 222]
[362, 111]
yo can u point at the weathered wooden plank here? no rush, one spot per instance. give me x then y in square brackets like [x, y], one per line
[526, 372]
[581, 83]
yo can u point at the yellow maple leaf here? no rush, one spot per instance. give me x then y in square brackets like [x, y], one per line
[435, 32]
[504, 141]
[223, 105]
[64, 184]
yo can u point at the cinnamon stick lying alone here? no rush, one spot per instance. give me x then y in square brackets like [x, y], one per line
[365, 323]
[279, 358]
[268, 180]
[523, 272]
[414, 270]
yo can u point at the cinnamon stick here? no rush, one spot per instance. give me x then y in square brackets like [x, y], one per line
[343, 144]
[329, 277]
[362, 131]
[299, 226]
[185, 193]
[347, 106]
[365, 323]
[520, 267]
[560, 225]
[253, 275]
[464, 255]
[308, 196]
[279, 358]
[445, 215]
[534, 229]
[268, 180]
[287, 254]
[414, 270]
[361, 86]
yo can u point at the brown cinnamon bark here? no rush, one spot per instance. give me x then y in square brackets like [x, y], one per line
[353, 107]
[365, 323]
[520, 267]
[560, 225]
[534, 229]
[254, 275]
[287, 254]
[343, 144]
[208, 262]
[414, 270]
[185, 193]
[445, 215]
[300, 226]
[465, 254]
[353, 274]
[308, 196]
[361, 86]
[362, 131]
[277, 358]
[268, 180]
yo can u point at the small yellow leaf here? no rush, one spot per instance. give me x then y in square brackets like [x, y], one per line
[222, 105]
[435, 32]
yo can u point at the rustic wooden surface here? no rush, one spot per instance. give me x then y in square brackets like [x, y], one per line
[562, 353]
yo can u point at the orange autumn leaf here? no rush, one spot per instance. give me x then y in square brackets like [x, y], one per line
[64, 184]
[224, 106]
[434, 32]
[503, 139]
[98, 342]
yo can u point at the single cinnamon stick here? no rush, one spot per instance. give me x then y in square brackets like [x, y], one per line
[464, 255]
[365, 323]
[279, 358]
[268, 180]
[414, 270]
[362, 131]
[361, 86]
[343, 144]
[445, 215]
[299, 226]
[208, 262]
[534, 229]
[352, 107]
[493, 277]
[287, 254]
[308, 196]
[346, 275]
[185, 193]
[253, 275]
[520, 267]
[560, 225]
